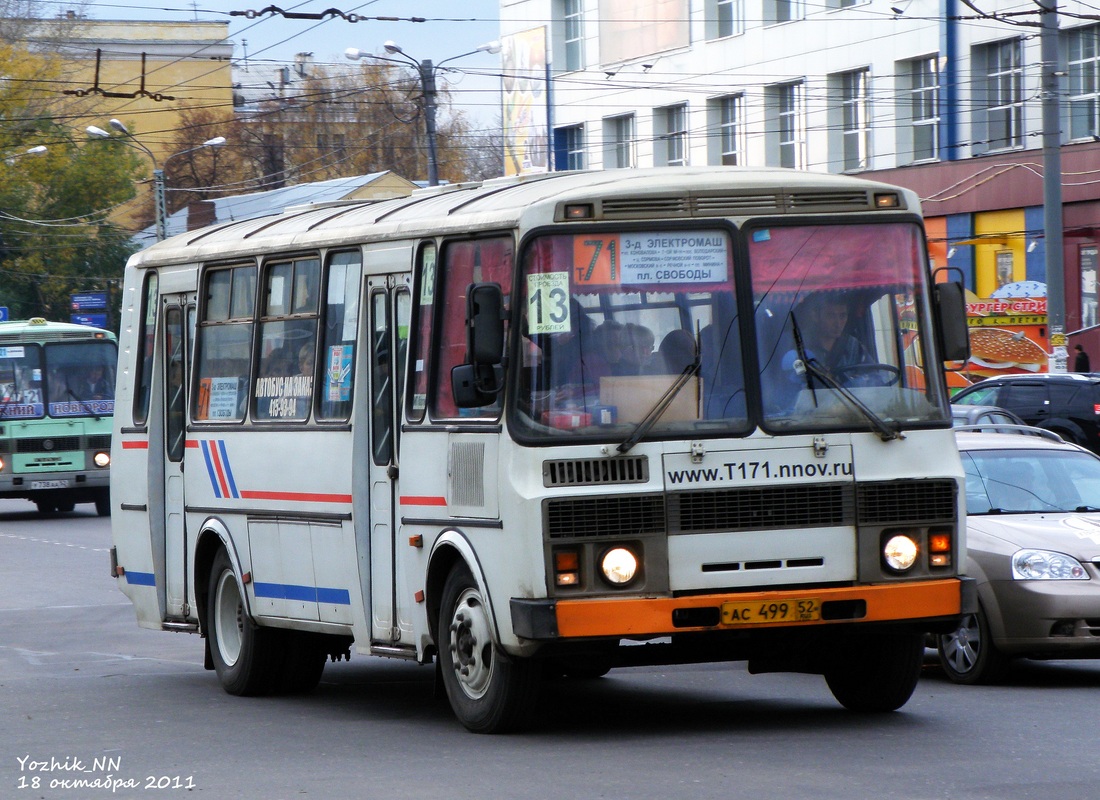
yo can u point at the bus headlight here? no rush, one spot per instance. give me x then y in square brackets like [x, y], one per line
[619, 566]
[900, 552]
[1, 465]
[101, 459]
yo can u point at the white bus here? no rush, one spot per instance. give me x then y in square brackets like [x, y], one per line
[548, 425]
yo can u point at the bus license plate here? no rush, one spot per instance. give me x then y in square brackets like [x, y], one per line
[805, 609]
[49, 484]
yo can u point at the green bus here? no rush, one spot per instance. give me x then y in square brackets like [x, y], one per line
[57, 402]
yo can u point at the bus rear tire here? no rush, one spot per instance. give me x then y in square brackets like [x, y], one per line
[876, 673]
[243, 653]
[489, 691]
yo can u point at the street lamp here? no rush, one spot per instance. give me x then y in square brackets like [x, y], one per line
[159, 205]
[33, 151]
[426, 71]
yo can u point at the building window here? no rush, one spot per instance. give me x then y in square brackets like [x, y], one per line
[572, 13]
[1004, 95]
[1084, 82]
[672, 129]
[724, 18]
[1089, 298]
[776, 11]
[787, 125]
[726, 130]
[924, 104]
[855, 122]
[569, 147]
[619, 139]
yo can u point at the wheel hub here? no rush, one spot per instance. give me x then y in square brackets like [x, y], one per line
[471, 645]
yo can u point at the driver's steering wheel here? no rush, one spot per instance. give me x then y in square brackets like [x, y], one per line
[890, 373]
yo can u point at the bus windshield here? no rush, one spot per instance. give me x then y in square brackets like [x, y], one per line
[642, 328]
[58, 379]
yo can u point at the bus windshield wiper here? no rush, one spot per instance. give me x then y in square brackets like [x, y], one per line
[650, 419]
[809, 367]
[83, 403]
[885, 431]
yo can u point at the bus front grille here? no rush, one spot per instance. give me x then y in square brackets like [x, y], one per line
[595, 471]
[625, 515]
[48, 444]
[102, 442]
[761, 508]
[907, 501]
[752, 509]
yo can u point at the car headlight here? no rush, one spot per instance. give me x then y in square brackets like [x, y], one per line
[1044, 565]
[619, 566]
[900, 552]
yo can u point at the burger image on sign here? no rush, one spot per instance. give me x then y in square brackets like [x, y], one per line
[999, 349]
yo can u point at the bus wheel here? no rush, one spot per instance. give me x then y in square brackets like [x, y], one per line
[968, 655]
[876, 672]
[489, 691]
[103, 502]
[243, 653]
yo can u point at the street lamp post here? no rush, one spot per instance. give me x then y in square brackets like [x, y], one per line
[33, 151]
[160, 206]
[426, 71]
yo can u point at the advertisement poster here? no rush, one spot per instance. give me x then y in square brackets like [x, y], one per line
[1008, 333]
[526, 120]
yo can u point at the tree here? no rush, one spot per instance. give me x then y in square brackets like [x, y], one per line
[55, 239]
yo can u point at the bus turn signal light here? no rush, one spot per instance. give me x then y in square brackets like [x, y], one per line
[567, 564]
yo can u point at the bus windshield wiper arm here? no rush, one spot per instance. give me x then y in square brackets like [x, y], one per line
[84, 403]
[650, 419]
[885, 432]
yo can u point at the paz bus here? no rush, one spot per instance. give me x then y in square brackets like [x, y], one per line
[546, 426]
[57, 383]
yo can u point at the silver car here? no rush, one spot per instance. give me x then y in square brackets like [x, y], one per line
[1033, 541]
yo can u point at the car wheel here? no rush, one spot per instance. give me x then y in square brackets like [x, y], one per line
[245, 655]
[489, 691]
[968, 655]
[876, 672]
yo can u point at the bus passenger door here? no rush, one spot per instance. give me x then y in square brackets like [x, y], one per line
[179, 321]
[389, 302]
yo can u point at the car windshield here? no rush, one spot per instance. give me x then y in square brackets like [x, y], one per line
[1031, 480]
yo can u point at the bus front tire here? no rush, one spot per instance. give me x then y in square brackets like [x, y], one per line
[103, 502]
[876, 673]
[489, 691]
[243, 653]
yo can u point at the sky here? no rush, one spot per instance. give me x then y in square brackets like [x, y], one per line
[453, 27]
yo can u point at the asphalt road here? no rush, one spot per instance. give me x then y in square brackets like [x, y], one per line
[93, 706]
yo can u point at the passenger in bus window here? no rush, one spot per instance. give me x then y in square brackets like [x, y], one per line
[638, 352]
[305, 360]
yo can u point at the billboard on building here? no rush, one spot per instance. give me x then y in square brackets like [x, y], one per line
[635, 28]
[1008, 331]
[526, 119]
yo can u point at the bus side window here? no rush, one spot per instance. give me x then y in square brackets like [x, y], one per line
[224, 344]
[288, 340]
[146, 339]
[340, 321]
[465, 263]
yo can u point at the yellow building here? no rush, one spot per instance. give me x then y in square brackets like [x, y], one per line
[143, 74]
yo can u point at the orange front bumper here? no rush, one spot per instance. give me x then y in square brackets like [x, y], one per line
[657, 616]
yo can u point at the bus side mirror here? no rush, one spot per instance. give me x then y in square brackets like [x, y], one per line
[485, 324]
[951, 315]
[478, 382]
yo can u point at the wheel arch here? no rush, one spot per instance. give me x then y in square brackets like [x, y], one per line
[451, 548]
[214, 536]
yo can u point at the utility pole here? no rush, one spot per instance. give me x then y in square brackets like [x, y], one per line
[427, 86]
[1050, 55]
